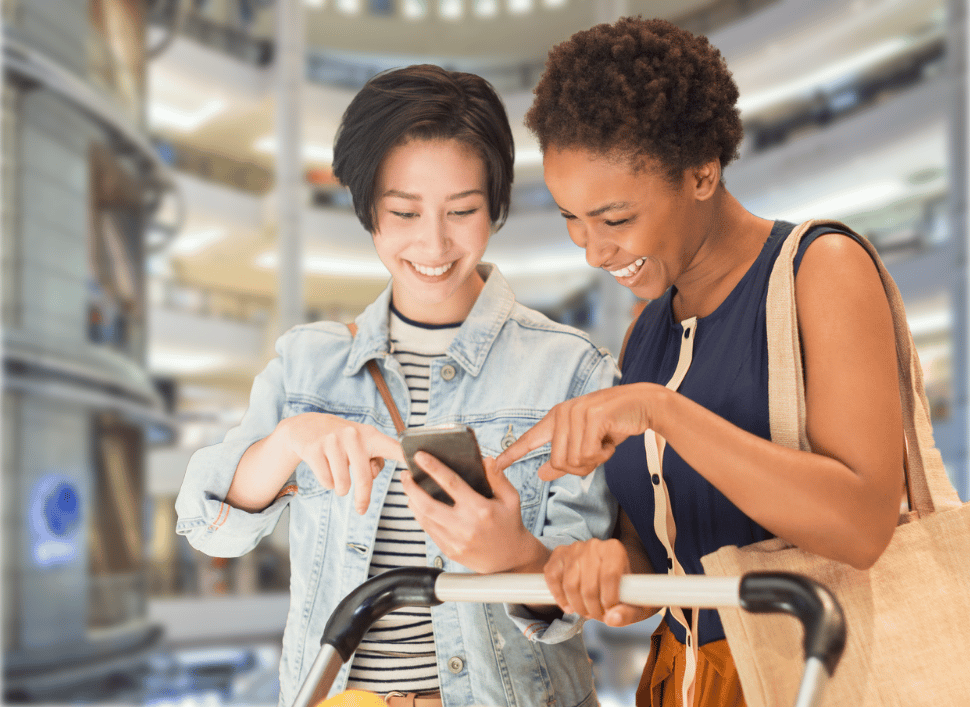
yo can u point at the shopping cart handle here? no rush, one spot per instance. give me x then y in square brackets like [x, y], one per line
[807, 600]
[353, 617]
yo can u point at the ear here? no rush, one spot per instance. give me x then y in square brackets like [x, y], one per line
[706, 179]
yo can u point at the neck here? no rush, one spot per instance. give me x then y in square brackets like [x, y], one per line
[730, 241]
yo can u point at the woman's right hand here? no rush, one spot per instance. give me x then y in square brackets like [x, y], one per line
[341, 453]
[584, 578]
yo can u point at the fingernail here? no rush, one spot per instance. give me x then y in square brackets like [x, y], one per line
[567, 609]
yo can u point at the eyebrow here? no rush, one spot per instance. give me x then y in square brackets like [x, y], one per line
[615, 206]
[417, 197]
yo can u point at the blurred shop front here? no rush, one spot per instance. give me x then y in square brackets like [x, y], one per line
[80, 182]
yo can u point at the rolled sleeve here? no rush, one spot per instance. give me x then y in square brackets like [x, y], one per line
[579, 508]
[209, 523]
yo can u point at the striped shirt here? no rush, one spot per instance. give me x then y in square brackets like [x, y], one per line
[398, 653]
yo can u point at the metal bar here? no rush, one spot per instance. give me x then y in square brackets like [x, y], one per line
[642, 590]
[814, 679]
[321, 676]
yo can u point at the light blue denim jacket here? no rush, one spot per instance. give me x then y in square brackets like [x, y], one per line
[506, 367]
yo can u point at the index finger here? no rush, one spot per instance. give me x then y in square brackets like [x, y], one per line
[533, 438]
[381, 445]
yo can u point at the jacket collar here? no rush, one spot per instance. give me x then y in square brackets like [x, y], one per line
[470, 345]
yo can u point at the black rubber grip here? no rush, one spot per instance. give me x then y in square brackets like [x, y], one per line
[807, 600]
[383, 593]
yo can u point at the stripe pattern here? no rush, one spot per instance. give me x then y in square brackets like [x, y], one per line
[398, 653]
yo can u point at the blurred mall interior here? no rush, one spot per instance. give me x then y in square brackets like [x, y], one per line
[168, 209]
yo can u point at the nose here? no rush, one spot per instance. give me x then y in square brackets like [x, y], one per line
[434, 235]
[597, 252]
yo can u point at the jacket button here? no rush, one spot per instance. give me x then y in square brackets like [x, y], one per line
[455, 664]
[438, 562]
[447, 371]
[509, 439]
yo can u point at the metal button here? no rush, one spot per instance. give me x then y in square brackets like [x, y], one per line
[438, 562]
[448, 371]
[509, 439]
[455, 664]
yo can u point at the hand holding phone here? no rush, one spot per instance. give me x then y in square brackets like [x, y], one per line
[454, 446]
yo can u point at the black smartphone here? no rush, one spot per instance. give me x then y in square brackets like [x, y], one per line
[454, 446]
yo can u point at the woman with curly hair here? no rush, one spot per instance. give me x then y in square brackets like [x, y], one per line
[637, 121]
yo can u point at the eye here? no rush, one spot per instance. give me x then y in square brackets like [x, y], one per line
[617, 223]
[466, 212]
[568, 217]
[405, 214]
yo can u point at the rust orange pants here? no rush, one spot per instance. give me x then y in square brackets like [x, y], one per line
[716, 685]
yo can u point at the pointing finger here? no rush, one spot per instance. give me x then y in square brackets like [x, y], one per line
[533, 438]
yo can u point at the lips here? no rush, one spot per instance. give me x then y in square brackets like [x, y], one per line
[629, 270]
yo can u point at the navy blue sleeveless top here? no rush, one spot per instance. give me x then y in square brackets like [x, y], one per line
[729, 376]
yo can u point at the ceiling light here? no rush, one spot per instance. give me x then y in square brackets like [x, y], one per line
[519, 7]
[451, 9]
[195, 242]
[166, 115]
[414, 9]
[844, 69]
[184, 361]
[846, 202]
[486, 8]
[528, 157]
[312, 152]
[541, 262]
[316, 264]
[350, 7]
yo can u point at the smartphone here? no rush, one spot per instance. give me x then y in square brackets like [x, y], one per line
[454, 446]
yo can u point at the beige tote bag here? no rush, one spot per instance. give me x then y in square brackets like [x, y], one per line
[908, 616]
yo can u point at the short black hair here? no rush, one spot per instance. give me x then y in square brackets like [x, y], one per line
[423, 102]
[639, 88]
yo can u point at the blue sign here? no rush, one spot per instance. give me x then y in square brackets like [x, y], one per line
[54, 519]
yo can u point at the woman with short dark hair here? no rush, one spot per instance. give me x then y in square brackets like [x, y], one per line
[637, 121]
[427, 155]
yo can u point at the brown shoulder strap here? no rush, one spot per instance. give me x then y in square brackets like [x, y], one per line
[375, 372]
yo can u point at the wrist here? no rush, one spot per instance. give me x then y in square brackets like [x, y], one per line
[536, 556]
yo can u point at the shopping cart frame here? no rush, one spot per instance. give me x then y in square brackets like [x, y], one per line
[757, 592]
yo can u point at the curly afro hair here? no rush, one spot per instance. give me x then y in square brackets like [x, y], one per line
[643, 89]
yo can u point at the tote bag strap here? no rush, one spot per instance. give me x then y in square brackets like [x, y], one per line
[928, 486]
[375, 372]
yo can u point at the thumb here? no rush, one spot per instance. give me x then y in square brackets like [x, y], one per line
[624, 615]
[502, 488]
[377, 466]
[547, 473]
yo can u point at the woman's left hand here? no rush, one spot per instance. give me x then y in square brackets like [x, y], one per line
[484, 534]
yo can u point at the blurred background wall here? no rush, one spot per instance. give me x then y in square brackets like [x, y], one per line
[168, 208]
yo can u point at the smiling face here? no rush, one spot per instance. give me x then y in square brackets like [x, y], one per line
[432, 227]
[633, 224]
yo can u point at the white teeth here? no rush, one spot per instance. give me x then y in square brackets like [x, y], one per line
[628, 270]
[440, 270]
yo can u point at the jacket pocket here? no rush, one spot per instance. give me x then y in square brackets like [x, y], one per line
[495, 436]
[306, 480]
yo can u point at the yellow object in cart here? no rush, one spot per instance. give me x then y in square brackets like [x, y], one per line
[354, 698]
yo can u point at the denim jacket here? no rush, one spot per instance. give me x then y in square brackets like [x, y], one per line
[506, 367]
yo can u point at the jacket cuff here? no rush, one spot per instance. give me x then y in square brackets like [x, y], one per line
[542, 631]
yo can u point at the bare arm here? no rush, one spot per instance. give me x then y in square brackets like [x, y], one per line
[339, 452]
[839, 501]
